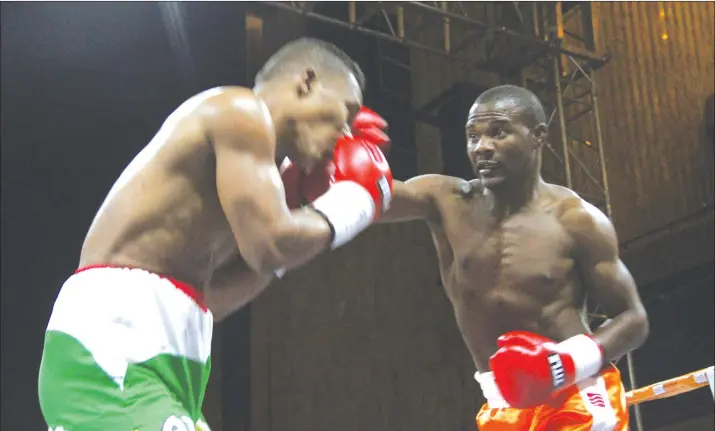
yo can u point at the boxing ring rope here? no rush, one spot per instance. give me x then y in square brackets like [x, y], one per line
[672, 387]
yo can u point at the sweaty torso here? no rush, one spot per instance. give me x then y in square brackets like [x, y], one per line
[512, 273]
[163, 213]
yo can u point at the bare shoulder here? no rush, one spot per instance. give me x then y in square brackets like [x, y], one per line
[235, 117]
[439, 186]
[588, 225]
[427, 183]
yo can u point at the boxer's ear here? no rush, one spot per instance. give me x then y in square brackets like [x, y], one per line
[540, 132]
[307, 81]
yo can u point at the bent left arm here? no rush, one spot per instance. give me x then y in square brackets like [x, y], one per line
[607, 281]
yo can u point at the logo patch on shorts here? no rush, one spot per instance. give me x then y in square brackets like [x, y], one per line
[175, 423]
[596, 399]
[558, 377]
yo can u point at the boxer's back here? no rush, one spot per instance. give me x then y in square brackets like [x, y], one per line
[163, 213]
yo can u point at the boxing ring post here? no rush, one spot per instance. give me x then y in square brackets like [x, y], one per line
[632, 377]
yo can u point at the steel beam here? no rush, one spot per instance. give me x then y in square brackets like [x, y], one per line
[450, 12]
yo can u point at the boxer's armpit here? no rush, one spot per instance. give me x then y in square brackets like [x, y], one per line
[413, 200]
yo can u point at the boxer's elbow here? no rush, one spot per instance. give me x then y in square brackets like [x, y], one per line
[288, 244]
[263, 256]
[635, 328]
[640, 325]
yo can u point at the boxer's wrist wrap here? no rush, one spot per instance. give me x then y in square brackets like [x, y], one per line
[348, 208]
[586, 353]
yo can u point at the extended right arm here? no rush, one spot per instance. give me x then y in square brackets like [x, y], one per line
[269, 236]
[413, 200]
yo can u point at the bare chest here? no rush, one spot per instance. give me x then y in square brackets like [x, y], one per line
[528, 255]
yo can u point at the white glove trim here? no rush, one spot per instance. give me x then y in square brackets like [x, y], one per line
[349, 209]
[586, 354]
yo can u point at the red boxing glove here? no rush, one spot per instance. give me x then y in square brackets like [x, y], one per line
[291, 176]
[529, 368]
[301, 188]
[361, 189]
[369, 125]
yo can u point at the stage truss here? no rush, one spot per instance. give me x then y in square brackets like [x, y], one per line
[549, 46]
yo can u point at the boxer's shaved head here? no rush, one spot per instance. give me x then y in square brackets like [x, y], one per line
[325, 59]
[518, 101]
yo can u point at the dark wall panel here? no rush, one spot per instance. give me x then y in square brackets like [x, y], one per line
[362, 339]
[652, 98]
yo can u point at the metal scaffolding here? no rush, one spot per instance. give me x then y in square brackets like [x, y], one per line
[528, 39]
[549, 46]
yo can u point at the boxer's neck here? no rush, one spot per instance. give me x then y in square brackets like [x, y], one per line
[512, 196]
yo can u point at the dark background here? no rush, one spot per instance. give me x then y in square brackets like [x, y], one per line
[86, 85]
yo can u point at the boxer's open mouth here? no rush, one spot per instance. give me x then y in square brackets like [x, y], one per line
[487, 167]
[487, 164]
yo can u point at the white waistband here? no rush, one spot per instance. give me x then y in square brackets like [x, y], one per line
[490, 390]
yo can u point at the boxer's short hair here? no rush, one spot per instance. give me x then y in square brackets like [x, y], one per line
[527, 106]
[301, 54]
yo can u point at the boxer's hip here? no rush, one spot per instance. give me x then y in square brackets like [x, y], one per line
[117, 335]
[597, 403]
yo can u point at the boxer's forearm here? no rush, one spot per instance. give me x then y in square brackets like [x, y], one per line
[626, 332]
[233, 285]
[294, 242]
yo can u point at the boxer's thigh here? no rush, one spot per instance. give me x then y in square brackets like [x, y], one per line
[504, 419]
[597, 403]
[160, 414]
[154, 403]
[77, 394]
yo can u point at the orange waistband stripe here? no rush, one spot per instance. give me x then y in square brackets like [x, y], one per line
[189, 290]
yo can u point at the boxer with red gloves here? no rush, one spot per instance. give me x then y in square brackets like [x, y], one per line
[197, 226]
[529, 368]
[518, 257]
[351, 191]
[304, 187]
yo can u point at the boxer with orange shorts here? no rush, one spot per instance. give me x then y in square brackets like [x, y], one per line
[518, 258]
[596, 403]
